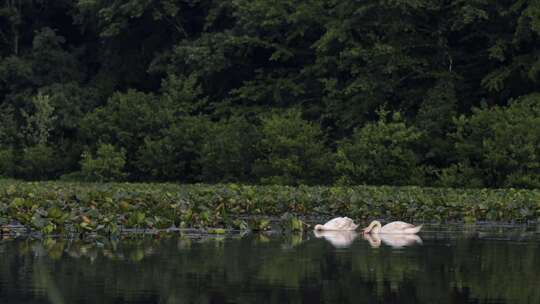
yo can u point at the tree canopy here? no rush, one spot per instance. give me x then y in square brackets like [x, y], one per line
[281, 91]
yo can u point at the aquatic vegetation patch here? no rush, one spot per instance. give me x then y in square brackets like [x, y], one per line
[108, 208]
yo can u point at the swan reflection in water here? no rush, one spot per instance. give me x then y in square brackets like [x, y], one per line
[392, 240]
[338, 238]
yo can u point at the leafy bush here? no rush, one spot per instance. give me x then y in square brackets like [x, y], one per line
[38, 162]
[126, 119]
[184, 93]
[459, 176]
[7, 162]
[380, 153]
[108, 164]
[292, 151]
[40, 123]
[435, 120]
[9, 129]
[76, 176]
[71, 102]
[174, 155]
[227, 153]
[502, 144]
[150, 128]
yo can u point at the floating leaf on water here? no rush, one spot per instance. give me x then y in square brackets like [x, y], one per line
[124, 206]
[240, 224]
[85, 226]
[38, 221]
[217, 231]
[54, 212]
[260, 224]
[145, 206]
[50, 227]
[18, 202]
[290, 223]
[469, 219]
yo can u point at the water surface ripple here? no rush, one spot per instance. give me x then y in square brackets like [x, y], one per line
[445, 264]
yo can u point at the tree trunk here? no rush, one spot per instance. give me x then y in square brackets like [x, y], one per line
[15, 7]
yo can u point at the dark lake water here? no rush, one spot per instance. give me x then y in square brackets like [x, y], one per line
[456, 264]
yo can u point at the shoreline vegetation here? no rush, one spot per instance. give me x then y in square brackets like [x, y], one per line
[110, 208]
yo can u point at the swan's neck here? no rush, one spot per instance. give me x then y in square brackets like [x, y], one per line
[319, 227]
[375, 227]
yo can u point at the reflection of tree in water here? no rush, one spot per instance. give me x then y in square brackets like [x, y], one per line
[468, 270]
[268, 270]
[514, 270]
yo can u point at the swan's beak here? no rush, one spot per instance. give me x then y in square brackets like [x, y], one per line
[365, 230]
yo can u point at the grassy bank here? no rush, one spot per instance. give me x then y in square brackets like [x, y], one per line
[52, 207]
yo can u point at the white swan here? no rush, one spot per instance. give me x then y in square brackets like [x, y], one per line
[338, 223]
[339, 239]
[392, 240]
[392, 228]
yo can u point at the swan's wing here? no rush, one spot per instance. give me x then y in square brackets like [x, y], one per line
[398, 225]
[333, 223]
[347, 224]
[416, 229]
[340, 223]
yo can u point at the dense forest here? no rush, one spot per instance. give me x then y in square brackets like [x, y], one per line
[398, 92]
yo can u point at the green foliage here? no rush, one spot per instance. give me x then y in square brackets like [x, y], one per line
[70, 102]
[459, 176]
[227, 152]
[183, 93]
[140, 73]
[50, 62]
[259, 224]
[435, 120]
[111, 208]
[126, 119]
[40, 123]
[9, 133]
[116, 15]
[502, 143]
[291, 151]
[38, 162]
[380, 153]
[291, 224]
[108, 165]
[7, 162]
[174, 155]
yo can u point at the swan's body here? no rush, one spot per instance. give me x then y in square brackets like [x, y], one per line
[338, 223]
[392, 240]
[339, 239]
[392, 228]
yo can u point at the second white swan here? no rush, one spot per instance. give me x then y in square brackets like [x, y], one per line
[393, 227]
